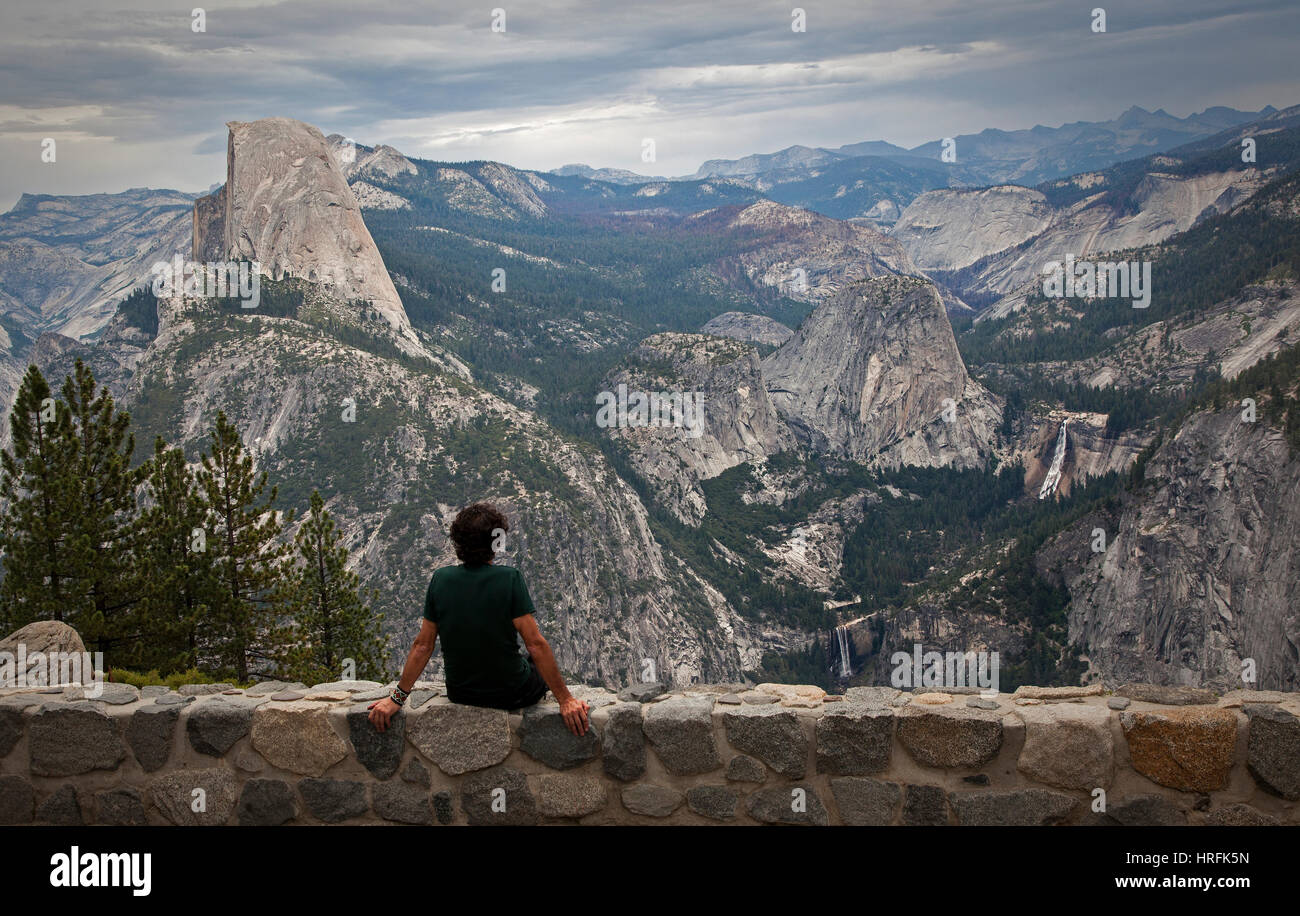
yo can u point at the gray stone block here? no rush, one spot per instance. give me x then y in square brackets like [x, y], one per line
[1067, 746]
[544, 737]
[150, 733]
[213, 791]
[417, 773]
[1147, 811]
[266, 803]
[950, 736]
[866, 802]
[742, 768]
[770, 733]
[623, 742]
[214, 726]
[66, 740]
[716, 802]
[460, 739]
[925, 806]
[569, 795]
[379, 752]
[11, 728]
[1273, 750]
[854, 739]
[17, 800]
[498, 797]
[641, 693]
[120, 808]
[333, 800]
[1018, 808]
[650, 800]
[402, 802]
[681, 731]
[788, 805]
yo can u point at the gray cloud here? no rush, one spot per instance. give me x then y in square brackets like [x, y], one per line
[135, 97]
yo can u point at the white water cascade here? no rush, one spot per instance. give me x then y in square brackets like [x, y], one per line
[842, 643]
[1053, 478]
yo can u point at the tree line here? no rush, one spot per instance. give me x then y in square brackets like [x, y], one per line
[164, 565]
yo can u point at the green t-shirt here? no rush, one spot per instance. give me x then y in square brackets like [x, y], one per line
[475, 608]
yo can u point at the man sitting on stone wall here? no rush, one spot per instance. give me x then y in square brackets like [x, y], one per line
[478, 608]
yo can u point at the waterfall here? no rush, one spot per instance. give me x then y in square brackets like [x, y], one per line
[842, 644]
[1053, 478]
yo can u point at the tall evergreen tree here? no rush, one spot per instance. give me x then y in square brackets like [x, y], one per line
[246, 557]
[108, 583]
[176, 564]
[38, 493]
[331, 619]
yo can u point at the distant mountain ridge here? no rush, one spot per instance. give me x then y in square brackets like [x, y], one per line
[875, 180]
[1136, 132]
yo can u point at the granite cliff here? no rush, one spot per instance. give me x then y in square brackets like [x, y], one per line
[1201, 566]
[287, 206]
[874, 374]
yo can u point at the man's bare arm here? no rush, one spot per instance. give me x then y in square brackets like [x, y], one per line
[421, 652]
[574, 711]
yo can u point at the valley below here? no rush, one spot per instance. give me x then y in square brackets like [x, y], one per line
[902, 439]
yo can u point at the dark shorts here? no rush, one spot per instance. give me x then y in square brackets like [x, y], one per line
[533, 689]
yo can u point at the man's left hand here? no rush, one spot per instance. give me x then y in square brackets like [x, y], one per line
[382, 712]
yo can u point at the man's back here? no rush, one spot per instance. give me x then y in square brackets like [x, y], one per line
[480, 610]
[474, 607]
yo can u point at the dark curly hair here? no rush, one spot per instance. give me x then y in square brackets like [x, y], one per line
[472, 532]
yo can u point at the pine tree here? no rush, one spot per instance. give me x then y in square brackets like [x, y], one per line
[331, 620]
[99, 548]
[38, 493]
[245, 554]
[176, 564]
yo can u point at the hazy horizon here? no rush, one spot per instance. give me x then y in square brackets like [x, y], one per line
[135, 97]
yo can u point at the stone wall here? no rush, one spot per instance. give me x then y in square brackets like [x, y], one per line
[277, 754]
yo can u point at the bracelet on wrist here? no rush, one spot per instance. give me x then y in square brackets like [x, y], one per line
[399, 696]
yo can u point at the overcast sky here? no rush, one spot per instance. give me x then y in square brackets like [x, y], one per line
[135, 97]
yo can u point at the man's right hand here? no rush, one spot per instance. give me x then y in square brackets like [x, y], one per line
[575, 715]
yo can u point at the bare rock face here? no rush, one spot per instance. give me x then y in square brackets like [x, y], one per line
[358, 161]
[1017, 243]
[286, 204]
[874, 373]
[44, 637]
[950, 228]
[1086, 451]
[373, 198]
[750, 328]
[736, 419]
[804, 255]
[65, 262]
[1201, 569]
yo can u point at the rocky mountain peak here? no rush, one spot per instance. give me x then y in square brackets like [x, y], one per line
[286, 204]
[359, 161]
[733, 419]
[747, 327]
[874, 373]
